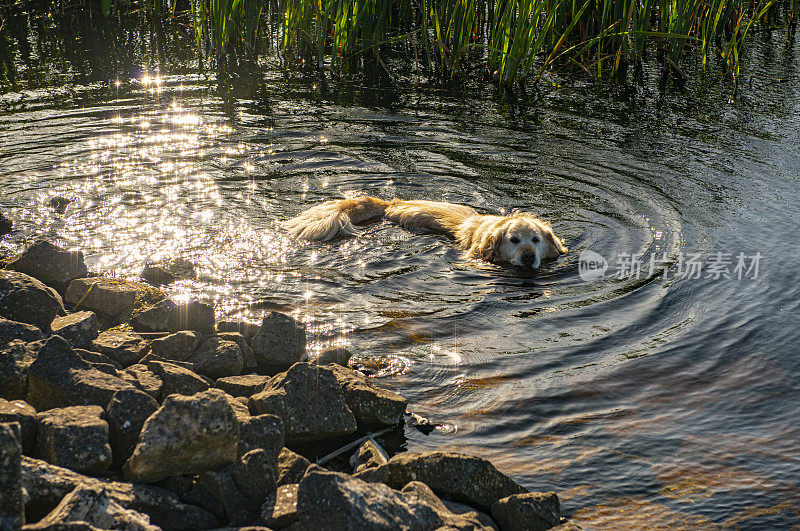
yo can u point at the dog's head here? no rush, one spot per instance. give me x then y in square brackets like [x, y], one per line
[521, 240]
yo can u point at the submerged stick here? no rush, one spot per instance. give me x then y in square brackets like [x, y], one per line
[352, 445]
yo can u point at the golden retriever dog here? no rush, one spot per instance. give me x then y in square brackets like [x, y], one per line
[518, 239]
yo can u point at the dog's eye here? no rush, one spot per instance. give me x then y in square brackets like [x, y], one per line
[535, 239]
[514, 240]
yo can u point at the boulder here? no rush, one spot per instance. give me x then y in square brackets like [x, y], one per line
[124, 346]
[371, 405]
[5, 225]
[279, 343]
[237, 509]
[27, 300]
[59, 377]
[245, 385]
[11, 330]
[188, 434]
[95, 358]
[176, 379]
[110, 298]
[453, 476]
[46, 485]
[156, 275]
[144, 379]
[241, 411]
[154, 318]
[12, 514]
[249, 364]
[152, 357]
[263, 432]
[255, 474]
[280, 508]
[74, 437]
[291, 467]
[15, 358]
[168, 316]
[369, 455]
[182, 269]
[126, 414]
[49, 263]
[178, 346]
[339, 356]
[217, 358]
[248, 330]
[310, 402]
[534, 511]
[191, 490]
[335, 501]
[78, 328]
[22, 413]
[94, 506]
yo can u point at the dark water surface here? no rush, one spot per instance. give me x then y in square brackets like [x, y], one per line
[644, 402]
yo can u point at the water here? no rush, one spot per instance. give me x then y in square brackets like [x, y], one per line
[644, 402]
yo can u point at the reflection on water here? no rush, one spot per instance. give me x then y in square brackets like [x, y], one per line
[643, 402]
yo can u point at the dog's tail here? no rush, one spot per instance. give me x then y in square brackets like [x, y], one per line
[331, 219]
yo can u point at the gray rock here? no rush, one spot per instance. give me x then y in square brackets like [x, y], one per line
[245, 385]
[78, 328]
[12, 514]
[241, 411]
[371, 405]
[50, 264]
[27, 300]
[280, 508]
[310, 402]
[263, 432]
[112, 299]
[46, 485]
[249, 364]
[534, 511]
[11, 330]
[5, 225]
[217, 358]
[154, 318]
[22, 413]
[123, 346]
[236, 507]
[370, 454]
[126, 414]
[248, 330]
[191, 490]
[94, 506]
[177, 380]
[255, 474]
[453, 476]
[460, 508]
[144, 379]
[156, 275]
[168, 316]
[279, 343]
[15, 358]
[182, 269]
[339, 356]
[291, 467]
[95, 358]
[74, 437]
[59, 377]
[178, 346]
[152, 357]
[188, 434]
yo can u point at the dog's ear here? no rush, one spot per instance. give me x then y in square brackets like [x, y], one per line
[554, 244]
[490, 246]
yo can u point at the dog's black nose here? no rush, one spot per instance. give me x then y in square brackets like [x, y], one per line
[527, 258]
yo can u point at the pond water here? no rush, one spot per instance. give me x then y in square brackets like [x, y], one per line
[645, 400]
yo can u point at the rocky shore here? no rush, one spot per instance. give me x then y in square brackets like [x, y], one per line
[122, 409]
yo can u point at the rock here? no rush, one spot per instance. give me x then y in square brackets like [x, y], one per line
[50, 264]
[155, 318]
[534, 511]
[255, 474]
[244, 385]
[15, 358]
[370, 454]
[177, 380]
[59, 377]
[156, 275]
[371, 405]
[92, 505]
[188, 434]
[5, 225]
[95, 358]
[12, 514]
[460, 508]
[291, 467]
[167, 316]
[123, 346]
[112, 299]
[47, 484]
[182, 269]
[144, 379]
[339, 356]
[152, 357]
[279, 343]
[59, 203]
[249, 364]
[263, 432]
[191, 490]
[569, 525]
[236, 507]
[280, 508]
[331, 500]
[248, 330]
[457, 477]
[22, 413]
[310, 402]
[74, 437]
[217, 358]
[178, 346]
[127, 413]
[78, 328]
[11, 330]
[27, 300]
[241, 411]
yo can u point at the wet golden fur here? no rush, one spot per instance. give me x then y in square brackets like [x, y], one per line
[517, 239]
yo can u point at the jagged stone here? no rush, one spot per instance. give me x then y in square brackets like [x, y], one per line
[156, 275]
[255, 474]
[126, 413]
[15, 358]
[176, 379]
[339, 356]
[123, 346]
[248, 330]
[27, 300]
[11, 330]
[144, 379]
[11, 501]
[371, 405]
[370, 454]
[168, 316]
[178, 346]
[95, 358]
[241, 411]
[79, 328]
[50, 264]
[217, 358]
[291, 467]
[235, 506]
[5, 225]
[244, 385]
[279, 343]
[112, 299]
[74, 437]
[249, 364]
[534, 511]
[155, 318]
[23, 413]
[280, 508]
[263, 432]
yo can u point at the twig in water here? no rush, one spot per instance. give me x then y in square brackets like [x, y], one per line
[353, 444]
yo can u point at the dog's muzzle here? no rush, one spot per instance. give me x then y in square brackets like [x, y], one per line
[527, 258]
